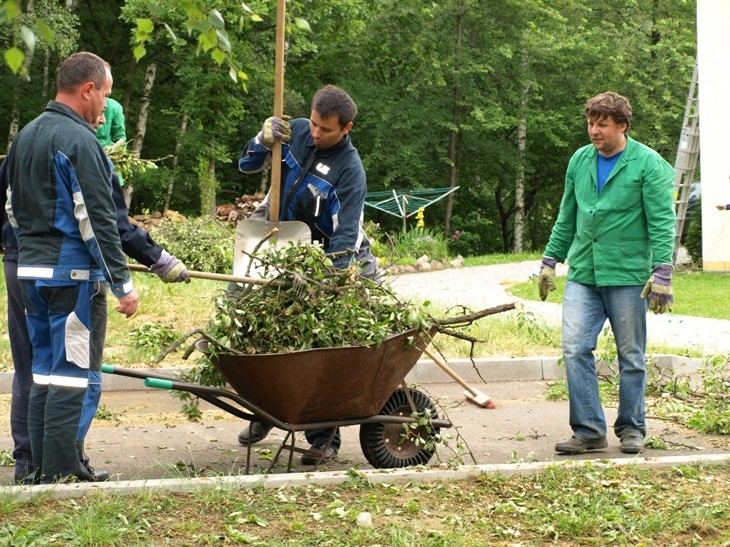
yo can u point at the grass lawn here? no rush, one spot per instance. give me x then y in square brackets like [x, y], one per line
[593, 504]
[697, 294]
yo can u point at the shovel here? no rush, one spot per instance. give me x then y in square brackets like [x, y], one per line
[253, 235]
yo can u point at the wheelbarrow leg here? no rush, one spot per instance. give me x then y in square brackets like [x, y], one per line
[290, 435]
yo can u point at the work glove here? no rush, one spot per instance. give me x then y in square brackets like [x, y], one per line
[275, 129]
[659, 289]
[170, 269]
[546, 279]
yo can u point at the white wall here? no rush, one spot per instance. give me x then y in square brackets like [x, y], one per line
[713, 54]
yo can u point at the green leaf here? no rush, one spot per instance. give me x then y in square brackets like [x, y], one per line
[14, 59]
[224, 42]
[302, 24]
[256, 18]
[218, 56]
[11, 9]
[145, 25]
[28, 37]
[139, 52]
[216, 19]
[44, 31]
[170, 32]
[206, 44]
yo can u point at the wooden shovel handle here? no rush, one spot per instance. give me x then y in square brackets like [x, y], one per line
[219, 277]
[275, 193]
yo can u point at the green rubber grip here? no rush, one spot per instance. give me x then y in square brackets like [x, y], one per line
[156, 382]
[108, 369]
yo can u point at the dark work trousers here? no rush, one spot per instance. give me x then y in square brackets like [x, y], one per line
[21, 350]
[67, 325]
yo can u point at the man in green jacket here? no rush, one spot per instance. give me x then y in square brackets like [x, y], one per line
[616, 231]
[113, 129]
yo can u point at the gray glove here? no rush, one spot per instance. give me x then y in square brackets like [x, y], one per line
[170, 269]
[275, 129]
[546, 279]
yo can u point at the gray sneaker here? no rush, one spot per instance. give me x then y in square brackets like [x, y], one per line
[633, 443]
[576, 445]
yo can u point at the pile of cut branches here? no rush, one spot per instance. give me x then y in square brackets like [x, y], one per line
[311, 305]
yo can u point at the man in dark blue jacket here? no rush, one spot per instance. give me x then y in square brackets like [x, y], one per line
[323, 185]
[137, 244]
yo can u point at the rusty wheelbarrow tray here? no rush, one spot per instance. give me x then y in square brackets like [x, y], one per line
[324, 389]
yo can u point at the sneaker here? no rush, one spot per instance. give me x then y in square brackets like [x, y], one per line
[317, 453]
[576, 445]
[633, 443]
[254, 433]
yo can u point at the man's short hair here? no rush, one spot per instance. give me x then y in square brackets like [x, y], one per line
[80, 68]
[609, 105]
[331, 100]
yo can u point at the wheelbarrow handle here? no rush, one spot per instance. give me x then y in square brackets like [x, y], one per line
[219, 277]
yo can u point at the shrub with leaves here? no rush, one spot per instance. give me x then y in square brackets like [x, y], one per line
[201, 243]
[152, 337]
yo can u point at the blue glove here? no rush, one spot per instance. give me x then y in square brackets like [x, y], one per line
[275, 129]
[170, 269]
[659, 289]
[546, 279]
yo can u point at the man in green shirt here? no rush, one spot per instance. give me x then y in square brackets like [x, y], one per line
[615, 229]
[112, 130]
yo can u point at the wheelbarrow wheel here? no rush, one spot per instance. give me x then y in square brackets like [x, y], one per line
[385, 446]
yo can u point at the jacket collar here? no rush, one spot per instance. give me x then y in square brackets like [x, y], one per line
[60, 108]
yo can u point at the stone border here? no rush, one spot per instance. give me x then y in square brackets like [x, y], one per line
[427, 372]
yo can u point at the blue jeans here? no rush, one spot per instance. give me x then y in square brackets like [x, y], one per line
[585, 310]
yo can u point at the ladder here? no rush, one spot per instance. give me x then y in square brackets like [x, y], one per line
[686, 162]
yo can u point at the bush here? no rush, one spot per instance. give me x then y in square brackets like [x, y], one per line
[417, 242]
[693, 241]
[476, 236]
[203, 244]
[150, 191]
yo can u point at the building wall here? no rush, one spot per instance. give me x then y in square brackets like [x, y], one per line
[713, 55]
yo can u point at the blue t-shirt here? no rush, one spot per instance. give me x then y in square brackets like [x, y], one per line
[605, 166]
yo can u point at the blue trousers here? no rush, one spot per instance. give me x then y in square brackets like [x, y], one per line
[67, 326]
[585, 310]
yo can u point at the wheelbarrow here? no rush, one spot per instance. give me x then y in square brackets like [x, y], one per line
[324, 389]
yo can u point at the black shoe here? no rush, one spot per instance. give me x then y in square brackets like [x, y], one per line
[98, 476]
[633, 443]
[21, 472]
[317, 453]
[28, 479]
[256, 432]
[576, 445]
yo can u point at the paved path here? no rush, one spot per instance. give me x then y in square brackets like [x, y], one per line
[486, 286]
[149, 438]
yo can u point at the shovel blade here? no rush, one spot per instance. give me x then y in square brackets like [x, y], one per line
[250, 232]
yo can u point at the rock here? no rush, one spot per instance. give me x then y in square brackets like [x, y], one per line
[364, 519]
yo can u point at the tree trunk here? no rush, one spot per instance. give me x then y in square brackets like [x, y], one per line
[175, 157]
[455, 134]
[206, 176]
[518, 235]
[144, 106]
[14, 119]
